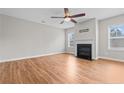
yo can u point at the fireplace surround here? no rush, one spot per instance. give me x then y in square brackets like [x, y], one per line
[84, 43]
[84, 51]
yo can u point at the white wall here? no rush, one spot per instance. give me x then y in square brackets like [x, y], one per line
[103, 38]
[21, 38]
[69, 49]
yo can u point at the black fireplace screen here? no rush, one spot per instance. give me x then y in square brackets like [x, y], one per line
[84, 51]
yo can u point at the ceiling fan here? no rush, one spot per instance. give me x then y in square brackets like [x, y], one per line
[69, 17]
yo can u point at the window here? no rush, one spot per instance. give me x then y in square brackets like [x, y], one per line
[71, 39]
[116, 37]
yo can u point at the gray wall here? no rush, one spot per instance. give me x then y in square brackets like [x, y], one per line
[81, 37]
[103, 50]
[90, 24]
[1, 36]
[103, 38]
[21, 38]
[0, 26]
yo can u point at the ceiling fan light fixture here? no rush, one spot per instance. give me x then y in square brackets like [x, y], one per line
[67, 19]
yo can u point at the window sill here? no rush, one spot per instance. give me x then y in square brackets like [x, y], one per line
[116, 49]
[116, 37]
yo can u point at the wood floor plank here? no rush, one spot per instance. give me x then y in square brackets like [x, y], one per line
[61, 69]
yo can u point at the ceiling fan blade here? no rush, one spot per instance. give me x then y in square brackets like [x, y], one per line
[57, 17]
[62, 22]
[72, 20]
[77, 15]
[66, 11]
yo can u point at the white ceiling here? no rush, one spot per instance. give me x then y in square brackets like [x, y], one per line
[43, 14]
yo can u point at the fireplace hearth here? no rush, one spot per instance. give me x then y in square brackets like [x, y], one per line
[84, 51]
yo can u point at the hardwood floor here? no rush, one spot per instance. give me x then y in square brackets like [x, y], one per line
[61, 68]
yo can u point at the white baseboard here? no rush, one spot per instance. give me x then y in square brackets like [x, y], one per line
[70, 52]
[113, 59]
[14, 59]
[54, 54]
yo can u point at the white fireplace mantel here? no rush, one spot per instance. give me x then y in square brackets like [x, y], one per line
[87, 41]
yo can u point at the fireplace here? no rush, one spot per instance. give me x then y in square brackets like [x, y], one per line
[84, 51]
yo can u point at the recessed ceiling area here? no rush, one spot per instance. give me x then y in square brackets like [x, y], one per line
[43, 15]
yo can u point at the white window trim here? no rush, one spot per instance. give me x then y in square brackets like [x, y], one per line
[69, 42]
[112, 48]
